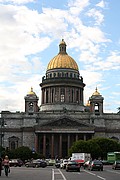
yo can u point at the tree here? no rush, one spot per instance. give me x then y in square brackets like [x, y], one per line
[98, 147]
[79, 146]
[82, 146]
[22, 153]
[107, 145]
[94, 149]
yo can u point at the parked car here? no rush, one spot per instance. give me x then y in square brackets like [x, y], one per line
[73, 166]
[50, 162]
[63, 163]
[57, 163]
[105, 162]
[16, 162]
[116, 165]
[36, 163]
[95, 165]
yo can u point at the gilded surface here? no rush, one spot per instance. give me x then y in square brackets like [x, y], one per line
[96, 93]
[62, 61]
[31, 92]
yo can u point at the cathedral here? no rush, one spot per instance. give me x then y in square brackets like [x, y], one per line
[62, 117]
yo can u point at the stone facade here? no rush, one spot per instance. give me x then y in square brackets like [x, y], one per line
[62, 117]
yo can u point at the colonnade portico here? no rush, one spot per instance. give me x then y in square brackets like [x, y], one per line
[51, 144]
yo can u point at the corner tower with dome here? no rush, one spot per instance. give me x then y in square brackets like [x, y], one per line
[62, 86]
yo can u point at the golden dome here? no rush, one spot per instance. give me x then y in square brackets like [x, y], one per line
[31, 92]
[88, 103]
[62, 60]
[96, 93]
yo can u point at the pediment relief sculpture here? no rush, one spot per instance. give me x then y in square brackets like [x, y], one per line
[64, 122]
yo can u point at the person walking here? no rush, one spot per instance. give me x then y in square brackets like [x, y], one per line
[6, 165]
[0, 165]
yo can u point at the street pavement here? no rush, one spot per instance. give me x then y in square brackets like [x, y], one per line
[53, 173]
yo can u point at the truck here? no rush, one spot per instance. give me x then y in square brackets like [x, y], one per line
[81, 157]
[112, 157]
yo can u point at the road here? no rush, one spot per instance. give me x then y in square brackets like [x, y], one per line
[52, 173]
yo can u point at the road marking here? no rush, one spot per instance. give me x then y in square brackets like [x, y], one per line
[95, 175]
[90, 173]
[57, 172]
[62, 174]
[52, 174]
[101, 177]
[113, 171]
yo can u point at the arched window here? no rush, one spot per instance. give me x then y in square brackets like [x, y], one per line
[66, 74]
[13, 142]
[52, 98]
[72, 95]
[77, 96]
[46, 96]
[12, 145]
[69, 95]
[62, 95]
[96, 107]
[31, 107]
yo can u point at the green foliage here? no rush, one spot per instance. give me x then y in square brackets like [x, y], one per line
[23, 153]
[79, 146]
[98, 147]
[107, 145]
[94, 149]
[2, 151]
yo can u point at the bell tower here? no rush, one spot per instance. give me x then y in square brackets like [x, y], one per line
[31, 102]
[96, 103]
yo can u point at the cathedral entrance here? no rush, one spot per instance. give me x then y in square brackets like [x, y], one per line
[52, 145]
[64, 149]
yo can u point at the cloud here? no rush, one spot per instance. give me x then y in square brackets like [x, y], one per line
[76, 7]
[17, 1]
[111, 63]
[92, 80]
[101, 4]
[13, 96]
[97, 15]
[25, 34]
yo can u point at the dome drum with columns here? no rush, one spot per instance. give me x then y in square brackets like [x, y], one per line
[63, 86]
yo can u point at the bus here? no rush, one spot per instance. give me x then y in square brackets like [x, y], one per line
[112, 157]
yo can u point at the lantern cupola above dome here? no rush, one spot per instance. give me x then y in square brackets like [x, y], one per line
[62, 60]
[62, 47]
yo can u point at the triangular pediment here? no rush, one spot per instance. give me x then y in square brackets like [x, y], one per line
[64, 122]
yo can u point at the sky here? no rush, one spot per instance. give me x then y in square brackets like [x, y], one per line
[30, 33]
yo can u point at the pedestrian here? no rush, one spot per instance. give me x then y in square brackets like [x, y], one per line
[0, 165]
[6, 165]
